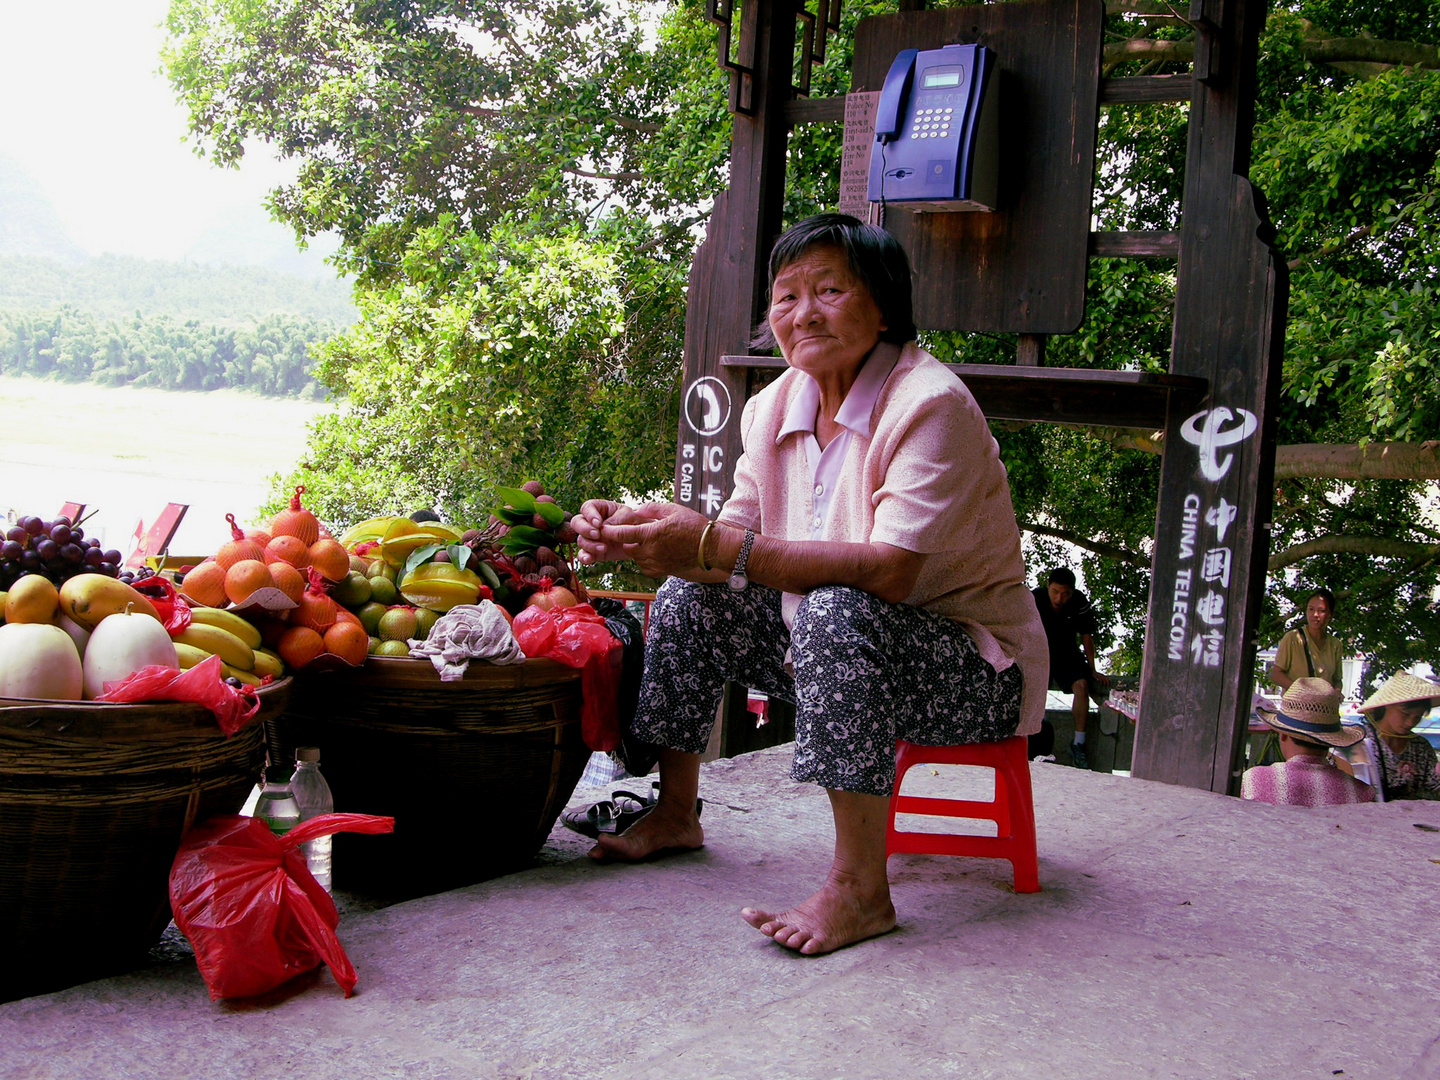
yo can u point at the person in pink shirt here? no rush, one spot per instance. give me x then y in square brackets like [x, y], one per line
[1309, 726]
[866, 567]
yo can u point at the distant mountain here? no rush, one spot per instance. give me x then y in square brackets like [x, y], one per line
[116, 286]
[28, 222]
[247, 236]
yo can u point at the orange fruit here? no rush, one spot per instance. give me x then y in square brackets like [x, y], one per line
[348, 641]
[205, 585]
[288, 549]
[330, 558]
[344, 614]
[288, 580]
[245, 577]
[299, 645]
[32, 599]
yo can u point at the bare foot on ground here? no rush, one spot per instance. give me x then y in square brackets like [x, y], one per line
[840, 914]
[660, 832]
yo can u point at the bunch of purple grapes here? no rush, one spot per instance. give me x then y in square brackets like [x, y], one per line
[55, 549]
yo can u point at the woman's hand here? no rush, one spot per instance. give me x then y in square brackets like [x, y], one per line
[662, 538]
[587, 525]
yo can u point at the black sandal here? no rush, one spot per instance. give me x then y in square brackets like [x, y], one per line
[615, 814]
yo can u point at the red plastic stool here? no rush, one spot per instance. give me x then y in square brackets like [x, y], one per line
[1013, 810]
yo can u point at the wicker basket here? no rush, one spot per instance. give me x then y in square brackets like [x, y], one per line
[474, 771]
[93, 801]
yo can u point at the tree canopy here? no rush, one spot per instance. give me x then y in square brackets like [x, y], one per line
[519, 187]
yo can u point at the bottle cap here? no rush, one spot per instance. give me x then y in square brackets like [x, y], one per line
[277, 774]
[307, 753]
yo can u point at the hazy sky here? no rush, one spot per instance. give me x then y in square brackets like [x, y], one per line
[87, 114]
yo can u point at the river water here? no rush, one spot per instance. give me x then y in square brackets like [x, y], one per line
[126, 453]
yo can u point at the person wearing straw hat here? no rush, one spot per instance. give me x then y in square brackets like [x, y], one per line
[1308, 724]
[1406, 761]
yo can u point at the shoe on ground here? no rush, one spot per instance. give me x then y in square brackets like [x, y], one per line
[1078, 757]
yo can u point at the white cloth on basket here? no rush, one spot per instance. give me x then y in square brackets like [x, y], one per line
[468, 632]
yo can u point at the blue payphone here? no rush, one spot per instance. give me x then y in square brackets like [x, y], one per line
[937, 131]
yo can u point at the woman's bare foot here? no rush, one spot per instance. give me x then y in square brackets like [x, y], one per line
[841, 913]
[660, 832]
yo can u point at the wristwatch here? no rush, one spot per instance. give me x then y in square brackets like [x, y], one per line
[737, 579]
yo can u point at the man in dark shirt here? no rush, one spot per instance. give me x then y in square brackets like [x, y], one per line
[1066, 614]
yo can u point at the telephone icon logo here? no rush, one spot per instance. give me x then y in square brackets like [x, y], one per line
[707, 405]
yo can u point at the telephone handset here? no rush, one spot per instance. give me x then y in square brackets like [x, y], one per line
[937, 131]
[893, 97]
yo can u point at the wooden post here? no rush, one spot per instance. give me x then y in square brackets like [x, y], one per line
[1217, 479]
[728, 283]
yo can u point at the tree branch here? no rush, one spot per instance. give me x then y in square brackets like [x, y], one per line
[1380, 547]
[1316, 49]
[629, 123]
[1377, 461]
[605, 176]
[1109, 551]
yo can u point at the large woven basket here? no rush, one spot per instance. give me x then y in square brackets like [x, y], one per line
[474, 771]
[94, 799]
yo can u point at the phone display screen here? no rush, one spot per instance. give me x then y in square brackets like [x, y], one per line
[941, 77]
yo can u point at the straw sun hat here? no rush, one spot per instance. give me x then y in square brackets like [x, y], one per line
[1310, 709]
[1402, 687]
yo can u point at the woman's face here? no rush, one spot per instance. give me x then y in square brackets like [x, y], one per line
[1401, 716]
[823, 316]
[1318, 615]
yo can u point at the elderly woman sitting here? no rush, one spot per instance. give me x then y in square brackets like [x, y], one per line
[866, 567]
[1309, 725]
[1405, 762]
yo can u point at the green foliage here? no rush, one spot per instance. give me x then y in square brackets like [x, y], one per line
[268, 356]
[118, 286]
[492, 360]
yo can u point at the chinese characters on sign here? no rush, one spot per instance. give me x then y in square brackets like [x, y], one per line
[1202, 579]
[701, 479]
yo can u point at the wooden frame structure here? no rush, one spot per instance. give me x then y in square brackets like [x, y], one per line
[1216, 404]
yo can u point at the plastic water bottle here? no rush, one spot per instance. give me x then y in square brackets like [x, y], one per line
[276, 805]
[313, 795]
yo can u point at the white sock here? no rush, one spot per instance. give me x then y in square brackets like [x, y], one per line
[1079, 738]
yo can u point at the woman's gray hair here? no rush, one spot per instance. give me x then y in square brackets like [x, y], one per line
[875, 257]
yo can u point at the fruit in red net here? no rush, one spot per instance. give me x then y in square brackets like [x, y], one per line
[348, 641]
[238, 548]
[288, 580]
[245, 577]
[397, 624]
[330, 558]
[205, 585]
[288, 549]
[299, 645]
[296, 521]
[315, 609]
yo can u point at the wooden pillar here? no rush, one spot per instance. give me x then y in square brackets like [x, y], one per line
[728, 277]
[728, 283]
[1217, 478]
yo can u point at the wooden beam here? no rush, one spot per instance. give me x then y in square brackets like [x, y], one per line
[814, 110]
[1135, 245]
[1145, 89]
[1079, 396]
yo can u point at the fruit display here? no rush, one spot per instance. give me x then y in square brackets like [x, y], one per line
[271, 599]
[56, 550]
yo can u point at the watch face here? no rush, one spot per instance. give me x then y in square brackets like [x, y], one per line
[737, 581]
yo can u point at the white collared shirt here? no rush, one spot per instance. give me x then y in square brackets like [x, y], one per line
[853, 417]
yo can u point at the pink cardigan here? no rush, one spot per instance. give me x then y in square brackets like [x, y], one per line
[928, 479]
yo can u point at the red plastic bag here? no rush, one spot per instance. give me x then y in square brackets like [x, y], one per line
[174, 612]
[577, 636]
[203, 684]
[254, 914]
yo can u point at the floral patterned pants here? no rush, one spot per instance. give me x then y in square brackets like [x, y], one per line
[865, 673]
